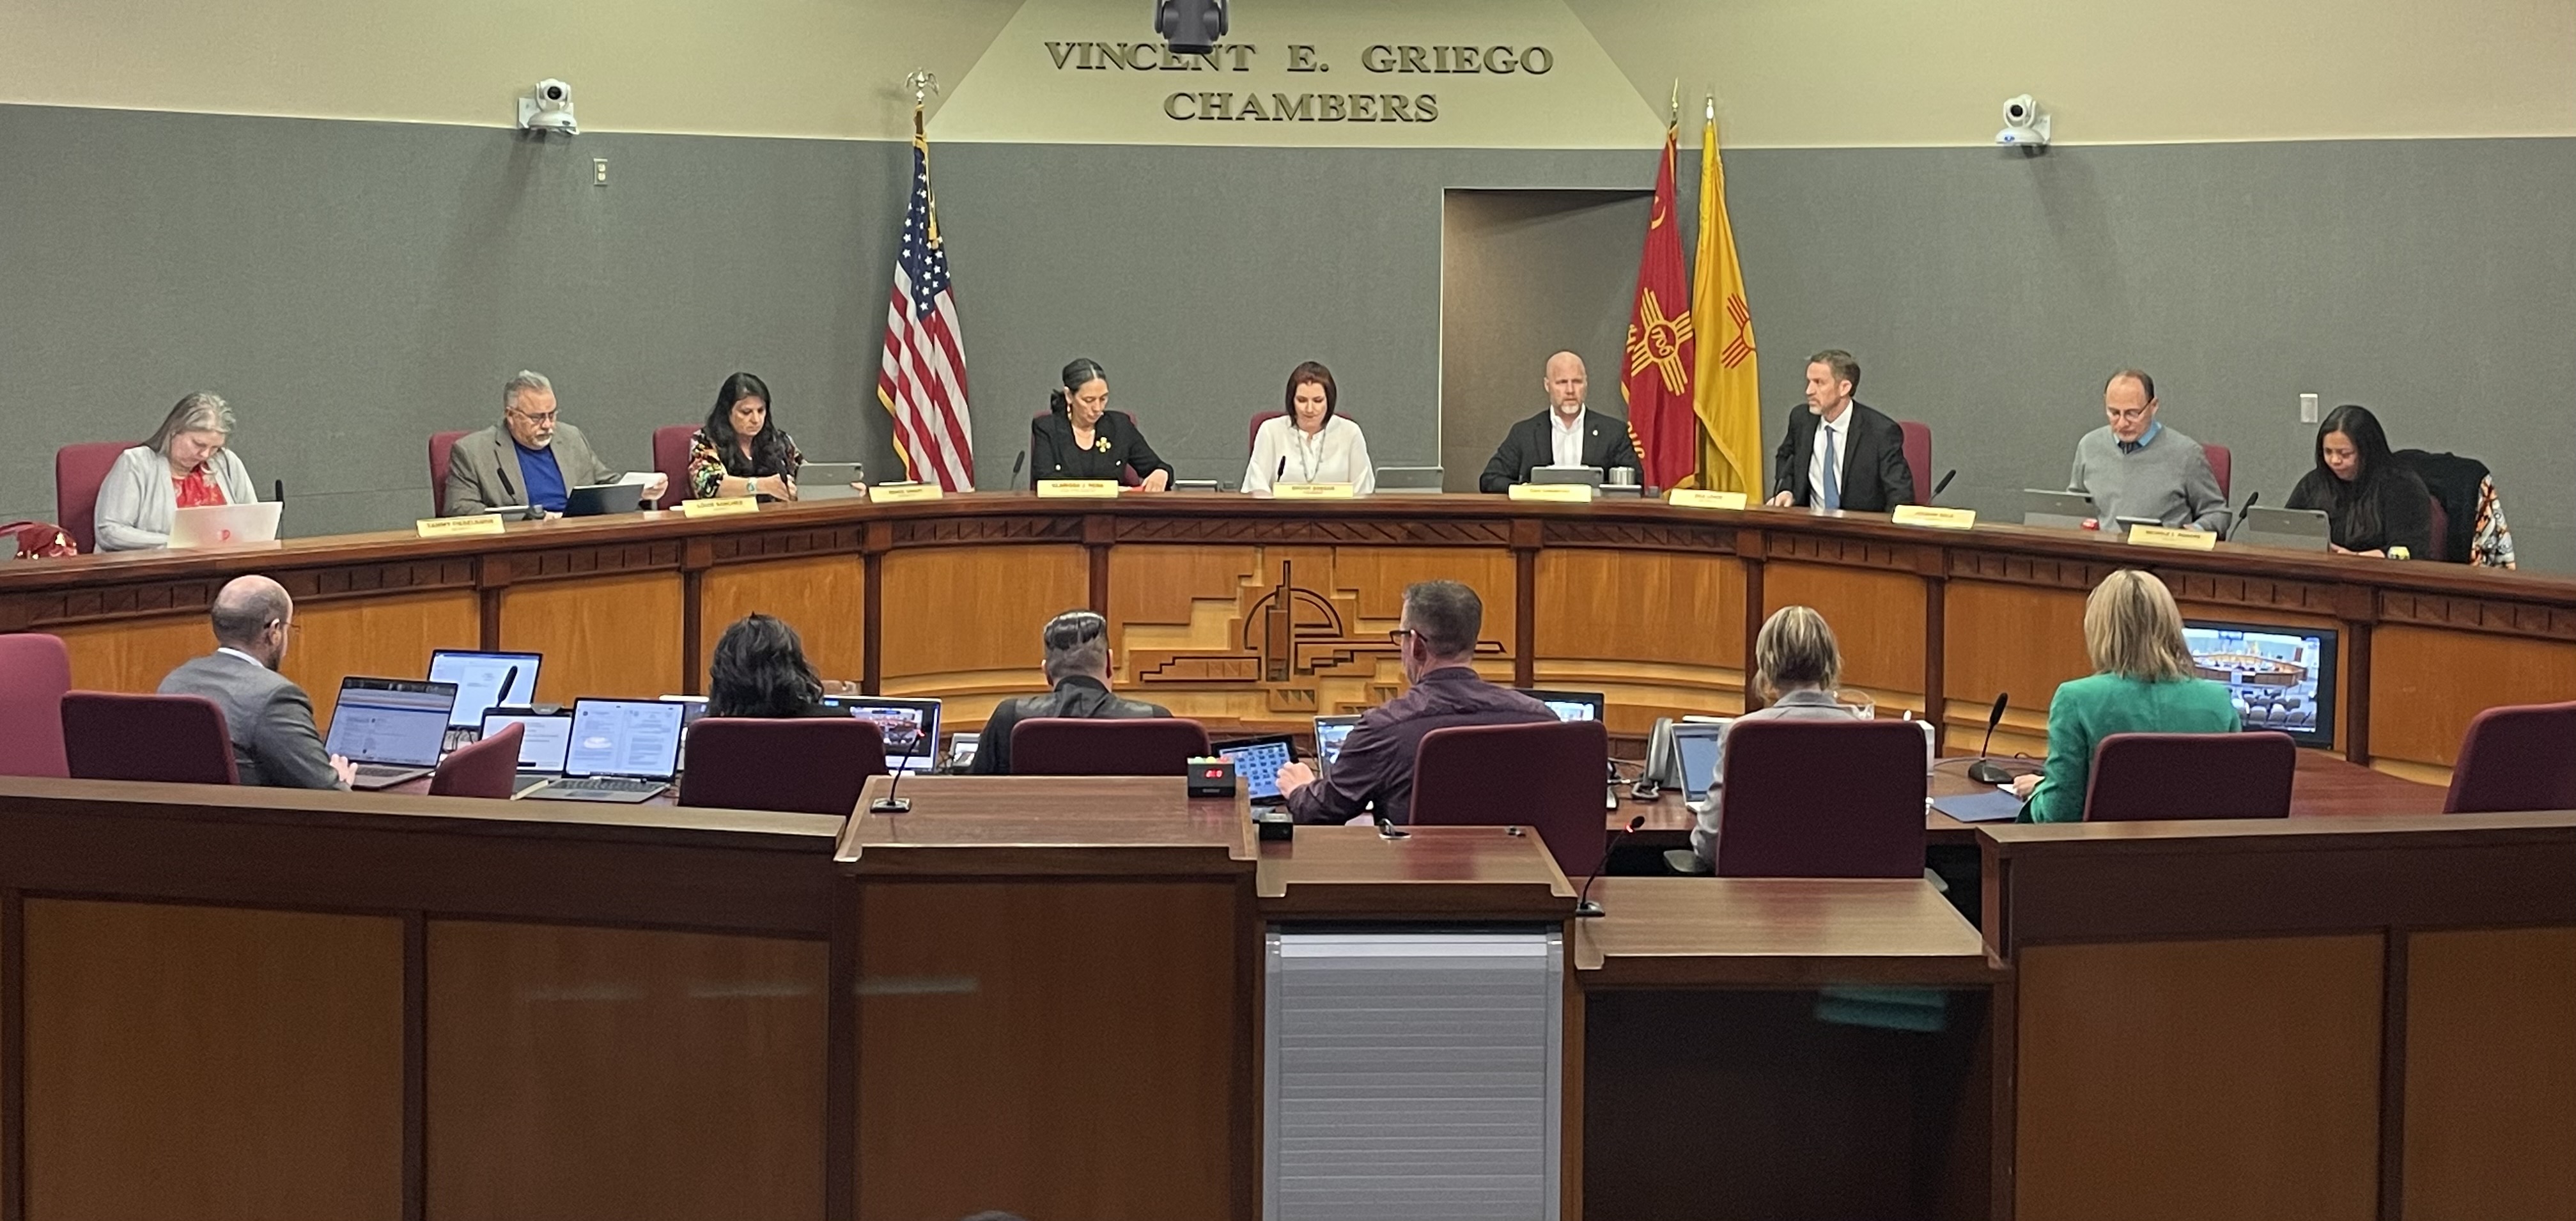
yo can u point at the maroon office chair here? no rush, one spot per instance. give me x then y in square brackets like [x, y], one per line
[442, 449]
[179, 739]
[1547, 775]
[488, 768]
[1918, 457]
[2221, 461]
[78, 470]
[815, 765]
[671, 457]
[2514, 759]
[1135, 746]
[2441, 546]
[2151, 776]
[35, 671]
[1822, 799]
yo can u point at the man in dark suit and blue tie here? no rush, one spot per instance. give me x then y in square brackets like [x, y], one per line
[1840, 453]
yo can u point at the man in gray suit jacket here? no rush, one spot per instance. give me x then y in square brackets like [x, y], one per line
[269, 718]
[528, 458]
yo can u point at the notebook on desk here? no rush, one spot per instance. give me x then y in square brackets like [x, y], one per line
[1984, 805]
[622, 751]
[391, 728]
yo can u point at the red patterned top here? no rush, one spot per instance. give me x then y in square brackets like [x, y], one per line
[197, 489]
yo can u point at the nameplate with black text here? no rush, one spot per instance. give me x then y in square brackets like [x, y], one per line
[1702, 498]
[1311, 491]
[721, 506]
[1557, 493]
[458, 527]
[902, 493]
[1078, 489]
[2169, 537]
[1935, 516]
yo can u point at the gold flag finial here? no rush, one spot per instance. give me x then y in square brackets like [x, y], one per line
[1677, 102]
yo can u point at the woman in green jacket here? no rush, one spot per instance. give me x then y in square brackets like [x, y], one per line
[2143, 681]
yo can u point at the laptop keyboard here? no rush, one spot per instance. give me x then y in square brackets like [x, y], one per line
[610, 784]
[384, 771]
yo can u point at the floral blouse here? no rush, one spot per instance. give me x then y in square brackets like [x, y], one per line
[707, 465]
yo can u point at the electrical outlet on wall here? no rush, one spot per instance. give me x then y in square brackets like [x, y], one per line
[599, 167]
[2307, 409]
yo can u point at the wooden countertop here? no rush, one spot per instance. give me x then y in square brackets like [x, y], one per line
[1110, 825]
[1465, 873]
[1776, 932]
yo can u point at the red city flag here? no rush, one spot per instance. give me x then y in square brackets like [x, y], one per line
[1655, 379]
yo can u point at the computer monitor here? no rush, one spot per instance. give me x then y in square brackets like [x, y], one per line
[2282, 677]
[1569, 705]
[480, 679]
[545, 737]
[399, 721]
[910, 727]
[1257, 762]
[639, 738]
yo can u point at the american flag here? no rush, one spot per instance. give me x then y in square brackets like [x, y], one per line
[922, 380]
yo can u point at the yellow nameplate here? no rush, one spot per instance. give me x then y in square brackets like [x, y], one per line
[2168, 536]
[899, 493]
[1702, 498]
[1095, 489]
[458, 527]
[1560, 493]
[721, 506]
[1935, 517]
[1311, 491]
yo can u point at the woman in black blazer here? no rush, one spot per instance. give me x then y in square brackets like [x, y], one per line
[1080, 438]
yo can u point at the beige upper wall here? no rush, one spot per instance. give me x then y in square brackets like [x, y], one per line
[1815, 73]
[1790, 72]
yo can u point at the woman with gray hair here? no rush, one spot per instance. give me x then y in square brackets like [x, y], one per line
[1796, 666]
[185, 465]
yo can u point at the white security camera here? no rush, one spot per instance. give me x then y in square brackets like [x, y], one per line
[2025, 125]
[548, 109]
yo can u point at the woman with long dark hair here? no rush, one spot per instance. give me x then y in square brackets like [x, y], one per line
[741, 451]
[760, 670]
[1081, 438]
[2373, 506]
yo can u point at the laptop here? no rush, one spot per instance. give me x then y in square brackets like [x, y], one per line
[548, 737]
[485, 681]
[1590, 475]
[1257, 762]
[961, 750]
[1696, 744]
[1329, 732]
[2296, 529]
[621, 750]
[225, 525]
[600, 499]
[1569, 705]
[391, 728]
[910, 727]
[692, 707]
[830, 480]
[2057, 510]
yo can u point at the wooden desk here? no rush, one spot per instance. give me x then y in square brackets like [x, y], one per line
[1776, 932]
[1266, 612]
[1353, 873]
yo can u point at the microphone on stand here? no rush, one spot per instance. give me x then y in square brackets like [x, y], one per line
[280, 488]
[1387, 829]
[1583, 904]
[2239, 524]
[1984, 770]
[1945, 482]
[1283, 471]
[510, 678]
[1015, 467]
[891, 804]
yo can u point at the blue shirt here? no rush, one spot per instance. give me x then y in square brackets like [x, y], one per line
[545, 479]
[2145, 439]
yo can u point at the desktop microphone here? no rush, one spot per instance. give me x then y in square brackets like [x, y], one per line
[1583, 904]
[1015, 467]
[1283, 471]
[509, 679]
[891, 804]
[1387, 829]
[1945, 482]
[1984, 771]
[2250, 498]
[280, 488]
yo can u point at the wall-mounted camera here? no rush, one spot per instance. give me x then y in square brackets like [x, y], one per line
[2025, 125]
[548, 109]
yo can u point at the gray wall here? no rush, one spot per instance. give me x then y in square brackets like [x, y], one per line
[355, 286]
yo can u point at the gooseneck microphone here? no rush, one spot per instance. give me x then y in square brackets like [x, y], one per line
[509, 679]
[1583, 904]
[1985, 770]
[2238, 525]
[891, 804]
[1387, 829]
[1939, 487]
[1016, 463]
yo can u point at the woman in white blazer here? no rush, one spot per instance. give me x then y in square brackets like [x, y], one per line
[1312, 443]
[185, 462]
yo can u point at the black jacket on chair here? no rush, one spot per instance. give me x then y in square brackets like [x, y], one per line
[1116, 446]
[1875, 478]
[1529, 445]
[1076, 696]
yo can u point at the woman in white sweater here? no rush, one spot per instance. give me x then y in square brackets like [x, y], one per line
[1312, 443]
[184, 464]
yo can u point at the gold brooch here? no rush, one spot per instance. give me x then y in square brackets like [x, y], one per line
[1101, 445]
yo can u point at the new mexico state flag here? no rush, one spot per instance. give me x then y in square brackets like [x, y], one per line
[1730, 394]
[1655, 378]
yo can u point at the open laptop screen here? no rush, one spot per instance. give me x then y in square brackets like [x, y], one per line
[480, 677]
[1697, 746]
[910, 727]
[390, 720]
[1569, 705]
[546, 737]
[1330, 732]
[624, 738]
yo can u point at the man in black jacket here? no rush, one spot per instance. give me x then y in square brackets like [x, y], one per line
[1566, 434]
[1077, 662]
[1862, 463]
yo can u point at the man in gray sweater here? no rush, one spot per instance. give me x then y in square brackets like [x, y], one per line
[2138, 468]
[269, 718]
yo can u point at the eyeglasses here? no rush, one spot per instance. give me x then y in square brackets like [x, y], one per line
[1396, 636]
[2126, 414]
[534, 418]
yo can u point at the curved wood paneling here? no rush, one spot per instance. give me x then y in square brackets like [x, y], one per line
[825, 597]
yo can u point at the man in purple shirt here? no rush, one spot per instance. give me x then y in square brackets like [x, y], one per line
[1441, 622]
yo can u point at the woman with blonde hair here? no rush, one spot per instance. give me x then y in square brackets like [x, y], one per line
[1796, 666]
[2143, 681]
[188, 463]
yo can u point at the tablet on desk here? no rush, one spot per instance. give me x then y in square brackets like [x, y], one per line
[830, 480]
[600, 499]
